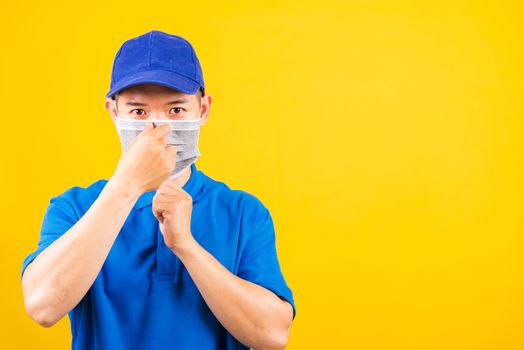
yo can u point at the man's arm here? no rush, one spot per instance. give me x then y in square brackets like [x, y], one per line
[252, 314]
[59, 277]
[61, 274]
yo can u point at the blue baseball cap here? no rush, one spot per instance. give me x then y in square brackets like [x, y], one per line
[157, 58]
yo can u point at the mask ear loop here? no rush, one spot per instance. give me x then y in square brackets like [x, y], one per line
[200, 114]
[116, 108]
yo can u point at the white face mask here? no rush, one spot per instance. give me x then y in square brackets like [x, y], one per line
[184, 135]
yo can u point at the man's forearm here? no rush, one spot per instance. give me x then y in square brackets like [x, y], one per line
[252, 314]
[61, 275]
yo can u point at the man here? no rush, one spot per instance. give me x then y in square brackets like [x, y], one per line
[153, 260]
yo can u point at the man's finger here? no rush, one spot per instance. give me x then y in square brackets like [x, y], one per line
[149, 126]
[165, 196]
[169, 186]
[158, 215]
[171, 151]
[163, 140]
[171, 183]
[160, 131]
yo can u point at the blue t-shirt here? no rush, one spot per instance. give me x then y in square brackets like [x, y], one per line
[143, 297]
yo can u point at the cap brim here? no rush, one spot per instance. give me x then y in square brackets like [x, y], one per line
[161, 77]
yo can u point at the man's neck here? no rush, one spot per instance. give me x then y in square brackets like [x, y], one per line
[182, 179]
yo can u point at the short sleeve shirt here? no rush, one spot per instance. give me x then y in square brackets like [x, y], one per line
[143, 297]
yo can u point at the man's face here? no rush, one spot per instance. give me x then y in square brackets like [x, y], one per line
[152, 101]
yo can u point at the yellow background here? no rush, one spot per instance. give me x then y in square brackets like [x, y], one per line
[385, 137]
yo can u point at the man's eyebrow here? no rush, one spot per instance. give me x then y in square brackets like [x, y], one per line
[173, 102]
[177, 101]
[133, 103]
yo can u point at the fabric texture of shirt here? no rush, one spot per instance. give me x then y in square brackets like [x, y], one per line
[144, 297]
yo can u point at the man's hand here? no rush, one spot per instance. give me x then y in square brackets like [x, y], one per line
[61, 275]
[254, 315]
[172, 206]
[147, 162]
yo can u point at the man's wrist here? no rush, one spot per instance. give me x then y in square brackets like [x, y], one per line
[185, 246]
[122, 189]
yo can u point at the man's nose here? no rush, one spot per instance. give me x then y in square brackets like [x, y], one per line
[158, 115]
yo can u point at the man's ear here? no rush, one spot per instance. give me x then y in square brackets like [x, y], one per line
[205, 108]
[109, 104]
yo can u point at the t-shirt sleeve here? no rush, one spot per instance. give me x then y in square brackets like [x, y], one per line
[259, 261]
[58, 219]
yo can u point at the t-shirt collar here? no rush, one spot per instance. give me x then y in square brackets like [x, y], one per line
[194, 187]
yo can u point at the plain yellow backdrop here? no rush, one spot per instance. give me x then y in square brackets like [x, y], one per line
[385, 137]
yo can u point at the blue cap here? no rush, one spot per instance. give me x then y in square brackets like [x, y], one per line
[157, 58]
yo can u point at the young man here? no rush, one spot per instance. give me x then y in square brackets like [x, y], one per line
[160, 256]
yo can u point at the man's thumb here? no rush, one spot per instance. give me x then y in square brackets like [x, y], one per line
[149, 126]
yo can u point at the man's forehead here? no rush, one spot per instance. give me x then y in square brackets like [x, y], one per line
[149, 90]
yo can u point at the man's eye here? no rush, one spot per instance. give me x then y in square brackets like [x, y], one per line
[176, 110]
[138, 111]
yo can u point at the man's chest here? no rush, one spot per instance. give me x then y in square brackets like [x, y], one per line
[140, 258]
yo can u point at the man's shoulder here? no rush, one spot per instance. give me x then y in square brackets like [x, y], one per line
[93, 188]
[229, 196]
[76, 195]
